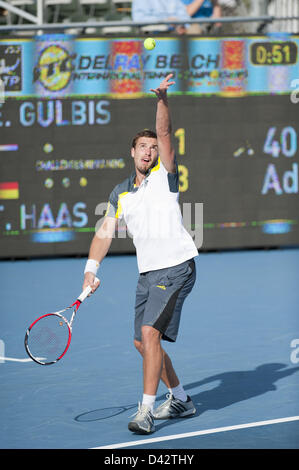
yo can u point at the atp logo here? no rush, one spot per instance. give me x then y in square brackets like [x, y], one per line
[10, 69]
[54, 68]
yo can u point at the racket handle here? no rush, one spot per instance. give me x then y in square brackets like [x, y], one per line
[86, 291]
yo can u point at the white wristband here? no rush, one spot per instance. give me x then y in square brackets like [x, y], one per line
[91, 266]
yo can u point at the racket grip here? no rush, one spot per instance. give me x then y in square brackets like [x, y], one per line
[86, 291]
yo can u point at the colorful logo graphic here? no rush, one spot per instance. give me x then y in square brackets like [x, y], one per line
[234, 71]
[54, 68]
[126, 64]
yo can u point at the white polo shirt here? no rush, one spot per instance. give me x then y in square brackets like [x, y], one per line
[153, 218]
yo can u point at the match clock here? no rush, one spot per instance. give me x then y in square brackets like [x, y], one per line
[273, 53]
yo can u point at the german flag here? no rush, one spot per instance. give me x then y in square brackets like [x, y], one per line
[9, 190]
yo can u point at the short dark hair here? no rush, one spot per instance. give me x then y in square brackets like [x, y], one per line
[145, 133]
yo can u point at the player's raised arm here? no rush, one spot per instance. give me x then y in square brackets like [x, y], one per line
[163, 125]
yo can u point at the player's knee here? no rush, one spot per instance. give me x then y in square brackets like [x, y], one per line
[150, 335]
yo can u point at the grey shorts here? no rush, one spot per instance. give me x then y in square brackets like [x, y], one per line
[160, 296]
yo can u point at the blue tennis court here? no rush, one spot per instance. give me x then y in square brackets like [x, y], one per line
[237, 356]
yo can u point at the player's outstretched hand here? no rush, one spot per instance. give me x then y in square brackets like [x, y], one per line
[163, 87]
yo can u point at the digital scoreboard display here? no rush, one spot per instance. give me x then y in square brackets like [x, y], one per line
[69, 108]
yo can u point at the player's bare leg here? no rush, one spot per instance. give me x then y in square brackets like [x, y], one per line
[152, 359]
[178, 404]
[168, 374]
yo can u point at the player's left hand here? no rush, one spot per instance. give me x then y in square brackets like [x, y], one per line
[163, 87]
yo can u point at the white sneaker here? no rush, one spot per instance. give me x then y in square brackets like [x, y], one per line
[143, 423]
[174, 408]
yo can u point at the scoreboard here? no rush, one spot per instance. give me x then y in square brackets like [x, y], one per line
[69, 108]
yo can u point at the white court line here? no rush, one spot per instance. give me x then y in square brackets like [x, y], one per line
[14, 359]
[199, 433]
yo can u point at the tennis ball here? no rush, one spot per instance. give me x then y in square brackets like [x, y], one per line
[149, 44]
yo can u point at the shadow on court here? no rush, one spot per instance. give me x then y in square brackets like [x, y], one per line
[232, 387]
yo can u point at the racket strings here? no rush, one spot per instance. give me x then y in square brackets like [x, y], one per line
[49, 337]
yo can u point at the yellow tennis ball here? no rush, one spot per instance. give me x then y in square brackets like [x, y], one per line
[149, 44]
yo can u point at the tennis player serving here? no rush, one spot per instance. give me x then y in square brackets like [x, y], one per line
[147, 201]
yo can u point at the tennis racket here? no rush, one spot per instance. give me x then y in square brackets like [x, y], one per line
[48, 338]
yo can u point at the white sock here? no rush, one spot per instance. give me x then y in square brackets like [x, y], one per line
[179, 392]
[149, 400]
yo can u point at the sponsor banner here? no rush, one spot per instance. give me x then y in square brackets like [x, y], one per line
[59, 65]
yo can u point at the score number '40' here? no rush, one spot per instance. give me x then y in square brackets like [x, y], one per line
[286, 143]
